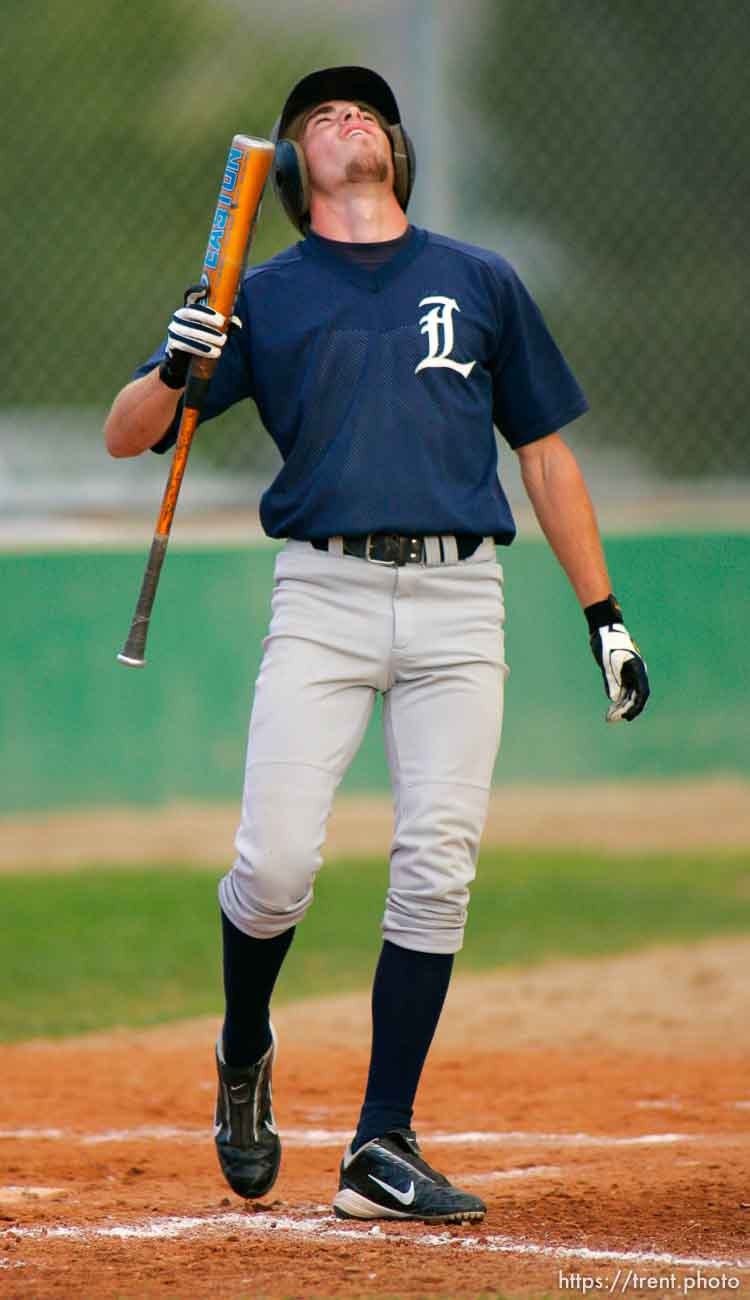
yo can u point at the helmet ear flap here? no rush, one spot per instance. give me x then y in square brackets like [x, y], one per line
[291, 182]
[404, 164]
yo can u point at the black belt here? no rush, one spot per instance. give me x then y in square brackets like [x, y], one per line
[390, 548]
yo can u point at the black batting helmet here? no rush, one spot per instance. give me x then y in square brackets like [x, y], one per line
[361, 86]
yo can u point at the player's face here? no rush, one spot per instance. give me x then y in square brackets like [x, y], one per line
[343, 141]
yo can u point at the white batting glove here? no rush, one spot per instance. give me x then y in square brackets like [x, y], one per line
[195, 330]
[622, 665]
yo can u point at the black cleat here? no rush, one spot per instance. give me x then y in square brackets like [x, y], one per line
[388, 1179]
[247, 1142]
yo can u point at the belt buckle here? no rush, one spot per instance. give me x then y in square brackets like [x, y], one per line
[398, 550]
[373, 559]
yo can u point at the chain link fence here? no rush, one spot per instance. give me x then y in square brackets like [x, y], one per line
[601, 148]
[616, 151]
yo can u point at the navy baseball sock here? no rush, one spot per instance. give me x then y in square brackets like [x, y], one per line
[407, 998]
[250, 970]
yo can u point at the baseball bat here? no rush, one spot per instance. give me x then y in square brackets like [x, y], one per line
[245, 173]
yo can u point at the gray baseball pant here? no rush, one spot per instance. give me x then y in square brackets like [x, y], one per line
[430, 638]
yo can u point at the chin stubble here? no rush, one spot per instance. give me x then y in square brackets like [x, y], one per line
[367, 169]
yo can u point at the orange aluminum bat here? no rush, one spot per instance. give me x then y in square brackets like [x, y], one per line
[245, 174]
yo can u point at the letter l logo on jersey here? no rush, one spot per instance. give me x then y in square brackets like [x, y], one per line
[438, 326]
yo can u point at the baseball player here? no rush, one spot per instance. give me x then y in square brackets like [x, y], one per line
[380, 356]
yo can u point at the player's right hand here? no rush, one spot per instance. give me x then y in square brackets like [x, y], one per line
[195, 330]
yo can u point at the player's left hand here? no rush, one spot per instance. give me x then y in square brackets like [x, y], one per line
[622, 665]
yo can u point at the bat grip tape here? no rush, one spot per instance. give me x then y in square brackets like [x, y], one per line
[133, 652]
[195, 391]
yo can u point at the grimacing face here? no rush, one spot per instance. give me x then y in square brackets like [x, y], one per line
[344, 140]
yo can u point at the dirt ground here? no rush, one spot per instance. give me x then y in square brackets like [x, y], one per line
[622, 817]
[601, 1108]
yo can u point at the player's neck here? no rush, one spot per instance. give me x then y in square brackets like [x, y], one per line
[357, 218]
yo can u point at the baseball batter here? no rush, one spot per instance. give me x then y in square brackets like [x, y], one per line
[380, 357]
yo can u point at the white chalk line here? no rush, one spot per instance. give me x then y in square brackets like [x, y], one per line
[340, 1137]
[565, 1139]
[503, 1175]
[15, 1190]
[35, 1133]
[674, 1103]
[326, 1228]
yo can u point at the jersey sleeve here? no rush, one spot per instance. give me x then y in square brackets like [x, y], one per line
[231, 381]
[534, 390]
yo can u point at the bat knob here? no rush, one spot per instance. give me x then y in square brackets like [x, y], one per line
[130, 662]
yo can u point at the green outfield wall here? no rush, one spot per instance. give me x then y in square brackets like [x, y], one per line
[78, 729]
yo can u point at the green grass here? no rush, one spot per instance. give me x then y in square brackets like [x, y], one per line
[95, 948]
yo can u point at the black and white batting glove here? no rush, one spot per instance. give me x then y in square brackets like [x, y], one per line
[623, 667]
[195, 330]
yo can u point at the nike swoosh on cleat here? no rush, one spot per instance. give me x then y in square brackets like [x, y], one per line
[405, 1198]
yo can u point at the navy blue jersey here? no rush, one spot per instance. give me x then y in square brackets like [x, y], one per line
[381, 387]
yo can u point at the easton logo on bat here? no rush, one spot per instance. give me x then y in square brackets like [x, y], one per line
[223, 208]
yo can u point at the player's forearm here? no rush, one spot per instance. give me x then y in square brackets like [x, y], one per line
[558, 493]
[140, 415]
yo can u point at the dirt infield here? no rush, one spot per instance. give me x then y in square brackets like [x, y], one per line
[624, 817]
[600, 1108]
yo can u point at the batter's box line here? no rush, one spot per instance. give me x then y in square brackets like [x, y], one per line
[333, 1137]
[324, 1228]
